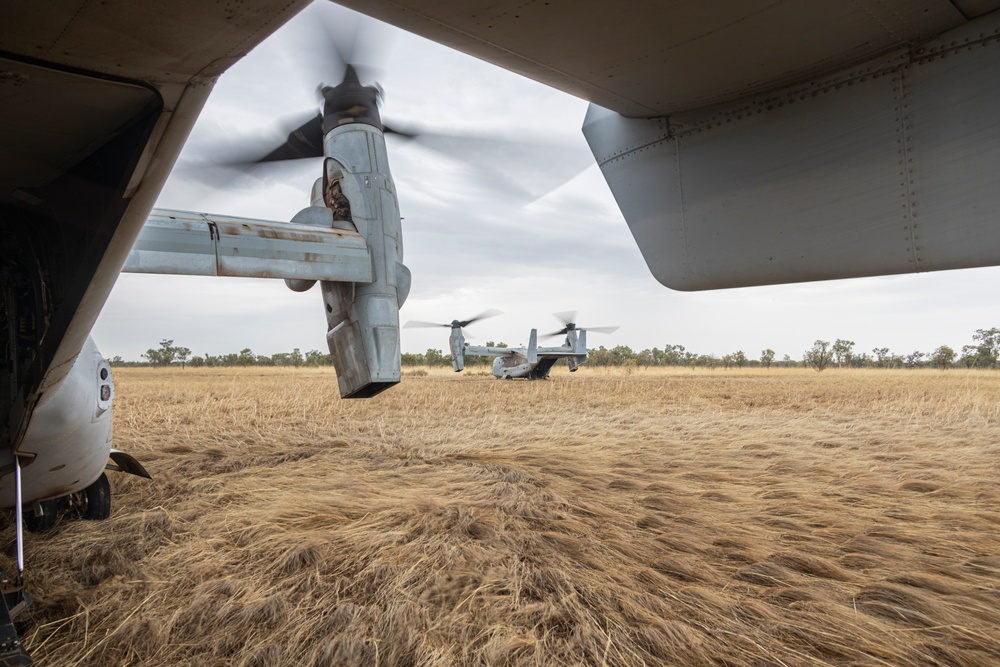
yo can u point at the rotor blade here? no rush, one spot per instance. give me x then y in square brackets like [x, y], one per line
[527, 168]
[333, 38]
[415, 324]
[492, 312]
[600, 329]
[295, 136]
[304, 141]
[398, 131]
[566, 317]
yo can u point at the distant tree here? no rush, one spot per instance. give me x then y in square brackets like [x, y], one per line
[739, 359]
[436, 358]
[987, 347]
[862, 360]
[842, 351]
[621, 354]
[820, 356]
[727, 361]
[163, 356]
[675, 355]
[881, 356]
[117, 361]
[295, 358]
[943, 357]
[970, 356]
[197, 361]
[246, 357]
[411, 359]
[914, 359]
[767, 358]
[315, 358]
[646, 358]
[599, 357]
[182, 354]
[708, 361]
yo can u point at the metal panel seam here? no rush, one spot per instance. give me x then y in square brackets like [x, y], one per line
[683, 211]
[904, 128]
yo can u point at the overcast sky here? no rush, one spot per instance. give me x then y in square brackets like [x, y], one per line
[474, 240]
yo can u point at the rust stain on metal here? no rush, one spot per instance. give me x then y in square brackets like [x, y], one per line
[277, 232]
[223, 270]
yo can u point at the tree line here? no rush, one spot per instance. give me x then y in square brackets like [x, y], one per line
[169, 354]
[984, 352]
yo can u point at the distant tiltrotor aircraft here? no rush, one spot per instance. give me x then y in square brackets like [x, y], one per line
[531, 362]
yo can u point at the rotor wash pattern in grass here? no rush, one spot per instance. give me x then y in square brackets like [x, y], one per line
[740, 518]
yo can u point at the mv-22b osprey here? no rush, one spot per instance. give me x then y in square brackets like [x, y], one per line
[56, 391]
[532, 362]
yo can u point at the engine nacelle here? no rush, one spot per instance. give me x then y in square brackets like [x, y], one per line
[363, 318]
[577, 339]
[457, 344]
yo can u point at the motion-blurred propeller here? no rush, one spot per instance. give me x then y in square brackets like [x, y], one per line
[334, 49]
[567, 318]
[455, 324]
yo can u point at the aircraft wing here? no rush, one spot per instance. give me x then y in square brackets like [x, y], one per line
[652, 58]
[756, 142]
[96, 100]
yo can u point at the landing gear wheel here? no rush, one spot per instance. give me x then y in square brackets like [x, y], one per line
[37, 523]
[95, 500]
[507, 377]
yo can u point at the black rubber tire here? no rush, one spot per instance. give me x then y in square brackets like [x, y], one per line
[37, 524]
[96, 505]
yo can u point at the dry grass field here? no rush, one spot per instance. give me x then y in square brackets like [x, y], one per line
[738, 519]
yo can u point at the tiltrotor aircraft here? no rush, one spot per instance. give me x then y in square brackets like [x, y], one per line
[59, 394]
[531, 362]
[746, 143]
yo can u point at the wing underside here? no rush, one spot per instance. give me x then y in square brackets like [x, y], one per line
[754, 142]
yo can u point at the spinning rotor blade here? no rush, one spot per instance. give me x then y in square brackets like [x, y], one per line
[303, 139]
[565, 330]
[328, 52]
[527, 167]
[416, 324]
[492, 312]
[568, 318]
[303, 142]
[337, 38]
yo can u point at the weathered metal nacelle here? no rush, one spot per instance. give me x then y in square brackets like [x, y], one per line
[363, 317]
[349, 241]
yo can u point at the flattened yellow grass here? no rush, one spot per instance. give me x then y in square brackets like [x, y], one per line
[692, 518]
